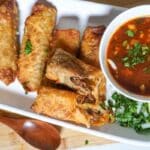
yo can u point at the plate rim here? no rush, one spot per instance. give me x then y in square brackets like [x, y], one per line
[69, 125]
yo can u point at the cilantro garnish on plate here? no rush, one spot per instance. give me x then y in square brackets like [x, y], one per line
[129, 113]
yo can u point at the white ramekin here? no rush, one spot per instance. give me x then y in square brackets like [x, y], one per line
[139, 11]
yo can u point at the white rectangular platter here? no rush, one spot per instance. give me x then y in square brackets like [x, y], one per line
[71, 14]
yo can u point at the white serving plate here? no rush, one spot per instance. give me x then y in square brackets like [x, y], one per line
[71, 14]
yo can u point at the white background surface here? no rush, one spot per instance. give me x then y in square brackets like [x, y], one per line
[13, 98]
[116, 146]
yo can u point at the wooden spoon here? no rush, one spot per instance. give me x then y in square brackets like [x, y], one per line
[39, 134]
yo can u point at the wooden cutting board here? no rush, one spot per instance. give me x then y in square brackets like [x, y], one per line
[9, 140]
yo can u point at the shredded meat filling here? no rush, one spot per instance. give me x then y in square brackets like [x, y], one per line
[95, 114]
[81, 83]
[86, 99]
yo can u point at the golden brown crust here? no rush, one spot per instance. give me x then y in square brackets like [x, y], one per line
[7, 75]
[90, 45]
[60, 104]
[68, 39]
[38, 31]
[8, 40]
[64, 68]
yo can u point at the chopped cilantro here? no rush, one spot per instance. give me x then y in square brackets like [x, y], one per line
[28, 47]
[136, 55]
[130, 33]
[86, 142]
[129, 113]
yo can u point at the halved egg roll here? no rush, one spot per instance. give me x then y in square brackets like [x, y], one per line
[35, 45]
[89, 51]
[67, 39]
[8, 40]
[62, 104]
[64, 68]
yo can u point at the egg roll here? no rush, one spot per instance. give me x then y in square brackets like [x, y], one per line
[89, 51]
[64, 68]
[67, 39]
[62, 104]
[8, 40]
[35, 45]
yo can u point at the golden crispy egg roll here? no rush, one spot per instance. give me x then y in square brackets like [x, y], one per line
[35, 45]
[8, 40]
[67, 39]
[64, 68]
[89, 51]
[62, 104]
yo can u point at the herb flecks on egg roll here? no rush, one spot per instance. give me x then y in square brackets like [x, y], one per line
[35, 45]
[8, 40]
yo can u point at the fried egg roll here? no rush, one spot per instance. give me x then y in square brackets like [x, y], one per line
[64, 68]
[62, 104]
[8, 40]
[35, 45]
[67, 39]
[89, 51]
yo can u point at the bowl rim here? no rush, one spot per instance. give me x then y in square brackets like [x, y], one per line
[103, 52]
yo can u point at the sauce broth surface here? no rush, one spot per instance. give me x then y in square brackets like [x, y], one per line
[129, 52]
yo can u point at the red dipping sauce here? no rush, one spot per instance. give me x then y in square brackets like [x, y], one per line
[129, 51]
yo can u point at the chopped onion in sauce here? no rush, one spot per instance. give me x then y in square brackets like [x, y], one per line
[142, 87]
[112, 64]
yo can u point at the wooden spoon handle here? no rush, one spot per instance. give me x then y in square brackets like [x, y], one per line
[13, 123]
[39, 134]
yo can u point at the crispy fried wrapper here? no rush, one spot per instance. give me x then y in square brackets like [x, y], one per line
[62, 104]
[89, 51]
[63, 68]
[35, 45]
[8, 40]
[67, 39]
